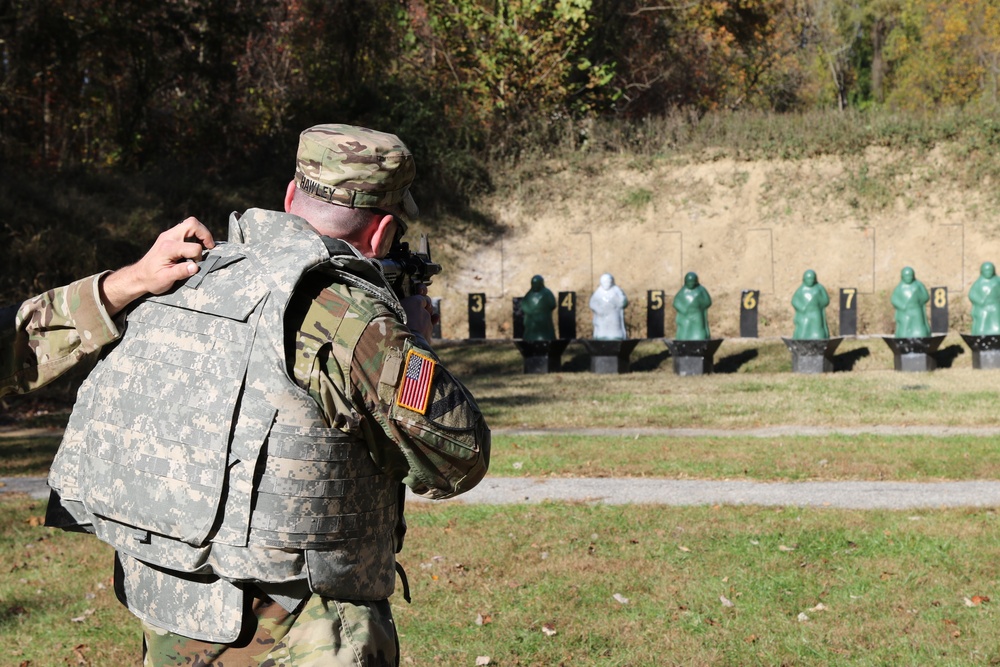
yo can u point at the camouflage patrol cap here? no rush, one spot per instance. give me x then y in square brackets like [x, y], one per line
[356, 167]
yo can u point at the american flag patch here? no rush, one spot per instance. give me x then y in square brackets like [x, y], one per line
[416, 388]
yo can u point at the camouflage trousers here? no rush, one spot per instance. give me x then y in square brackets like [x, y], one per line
[324, 633]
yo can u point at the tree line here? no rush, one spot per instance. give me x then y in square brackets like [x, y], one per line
[127, 82]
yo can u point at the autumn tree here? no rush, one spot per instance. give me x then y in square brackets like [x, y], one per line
[946, 52]
[505, 61]
[704, 55]
[833, 34]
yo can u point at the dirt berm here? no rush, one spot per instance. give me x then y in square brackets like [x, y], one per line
[740, 225]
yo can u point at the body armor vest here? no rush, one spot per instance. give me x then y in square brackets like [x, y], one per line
[193, 453]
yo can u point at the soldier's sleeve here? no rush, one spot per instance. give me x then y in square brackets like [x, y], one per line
[49, 334]
[427, 427]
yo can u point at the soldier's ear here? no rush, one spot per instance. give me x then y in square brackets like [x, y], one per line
[382, 237]
[289, 195]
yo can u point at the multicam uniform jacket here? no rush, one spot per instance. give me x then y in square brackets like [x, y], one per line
[254, 426]
[49, 334]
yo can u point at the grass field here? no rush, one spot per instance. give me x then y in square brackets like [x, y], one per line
[581, 584]
[753, 387]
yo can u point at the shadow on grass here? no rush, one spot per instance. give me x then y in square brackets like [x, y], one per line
[12, 612]
[27, 456]
[650, 362]
[732, 363]
[946, 356]
[576, 359]
[498, 407]
[846, 361]
[467, 358]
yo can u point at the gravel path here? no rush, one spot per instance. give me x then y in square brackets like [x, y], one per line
[762, 432]
[618, 491]
[850, 495]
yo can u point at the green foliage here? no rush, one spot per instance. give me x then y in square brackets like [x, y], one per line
[945, 54]
[503, 62]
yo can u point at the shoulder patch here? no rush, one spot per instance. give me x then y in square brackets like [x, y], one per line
[415, 390]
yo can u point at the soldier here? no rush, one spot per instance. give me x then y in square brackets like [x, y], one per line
[244, 448]
[45, 336]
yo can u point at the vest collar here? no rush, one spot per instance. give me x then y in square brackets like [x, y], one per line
[258, 225]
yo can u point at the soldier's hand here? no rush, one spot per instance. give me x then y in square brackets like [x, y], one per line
[166, 262]
[163, 264]
[420, 316]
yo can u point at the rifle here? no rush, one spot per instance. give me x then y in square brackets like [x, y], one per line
[406, 270]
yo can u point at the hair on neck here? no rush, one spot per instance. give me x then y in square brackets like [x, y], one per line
[330, 219]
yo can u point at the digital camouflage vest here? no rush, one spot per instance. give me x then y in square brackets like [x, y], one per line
[192, 452]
